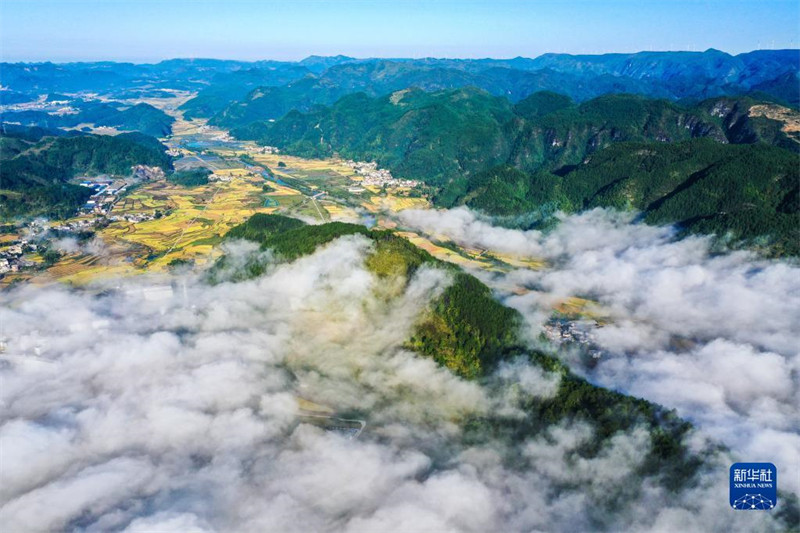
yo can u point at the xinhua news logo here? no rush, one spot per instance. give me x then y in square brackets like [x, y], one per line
[754, 486]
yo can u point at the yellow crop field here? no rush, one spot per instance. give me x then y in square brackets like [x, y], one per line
[168, 105]
[340, 212]
[580, 308]
[442, 253]
[281, 190]
[312, 407]
[532, 263]
[239, 172]
[79, 269]
[193, 222]
[309, 165]
[187, 127]
[394, 203]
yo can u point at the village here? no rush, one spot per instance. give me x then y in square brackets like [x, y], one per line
[16, 255]
[376, 177]
[42, 103]
[25, 251]
[562, 331]
[108, 189]
[12, 258]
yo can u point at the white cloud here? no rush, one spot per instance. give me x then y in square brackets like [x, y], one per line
[167, 404]
[712, 335]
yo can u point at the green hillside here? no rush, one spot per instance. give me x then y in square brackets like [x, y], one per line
[466, 330]
[431, 137]
[441, 138]
[745, 192]
[226, 88]
[143, 118]
[545, 153]
[566, 135]
[669, 75]
[34, 174]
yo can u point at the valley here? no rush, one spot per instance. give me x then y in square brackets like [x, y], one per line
[159, 224]
[240, 284]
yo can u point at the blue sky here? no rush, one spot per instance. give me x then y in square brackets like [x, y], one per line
[150, 30]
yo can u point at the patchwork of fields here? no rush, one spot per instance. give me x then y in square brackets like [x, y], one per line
[159, 224]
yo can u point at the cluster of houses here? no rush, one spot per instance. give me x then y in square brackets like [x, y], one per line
[218, 135]
[377, 177]
[580, 332]
[11, 257]
[133, 217]
[107, 190]
[41, 104]
[75, 226]
[266, 150]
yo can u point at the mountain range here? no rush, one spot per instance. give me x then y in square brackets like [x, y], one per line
[664, 133]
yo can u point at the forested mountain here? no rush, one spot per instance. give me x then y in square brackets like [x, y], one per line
[34, 169]
[381, 77]
[744, 192]
[105, 76]
[562, 155]
[225, 88]
[435, 137]
[142, 117]
[684, 74]
[237, 92]
[467, 331]
[441, 137]
[503, 135]
[671, 75]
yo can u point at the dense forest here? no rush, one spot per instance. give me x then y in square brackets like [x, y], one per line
[547, 153]
[504, 136]
[742, 192]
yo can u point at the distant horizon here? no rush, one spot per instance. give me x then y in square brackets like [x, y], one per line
[386, 58]
[149, 31]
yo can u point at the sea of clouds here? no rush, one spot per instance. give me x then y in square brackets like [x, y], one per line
[714, 336]
[170, 404]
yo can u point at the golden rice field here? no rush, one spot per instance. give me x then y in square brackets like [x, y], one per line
[532, 263]
[168, 105]
[281, 190]
[304, 165]
[580, 308]
[194, 221]
[443, 253]
[182, 127]
[199, 218]
[312, 407]
[395, 203]
[80, 269]
[340, 212]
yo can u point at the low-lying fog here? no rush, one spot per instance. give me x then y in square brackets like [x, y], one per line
[168, 404]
